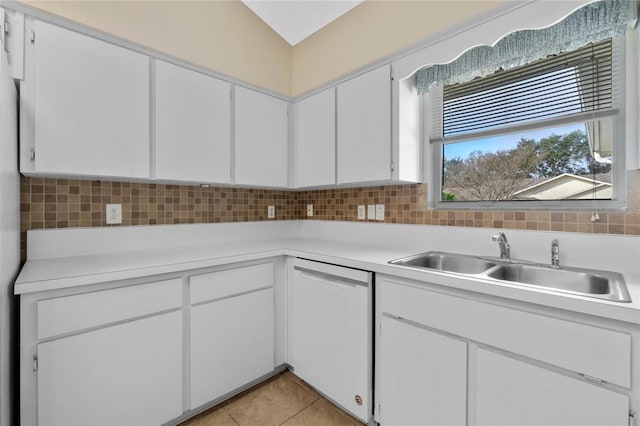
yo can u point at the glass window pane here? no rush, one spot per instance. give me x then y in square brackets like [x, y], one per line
[571, 162]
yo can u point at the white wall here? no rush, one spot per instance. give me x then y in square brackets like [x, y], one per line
[9, 240]
[223, 36]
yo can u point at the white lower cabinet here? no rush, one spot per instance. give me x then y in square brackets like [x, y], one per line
[129, 373]
[145, 353]
[231, 344]
[514, 393]
[232, 330]
[447, 359]
[423, 379]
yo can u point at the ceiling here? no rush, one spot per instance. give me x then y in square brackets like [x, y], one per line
[296, 20]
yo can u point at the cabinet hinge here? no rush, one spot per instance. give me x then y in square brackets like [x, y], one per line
[380, 330]
[631, 419]
[32, 37]
[391, 74]
[34, 363]
[379, 409]
[33, 155]
[393, 166]
[5, 32]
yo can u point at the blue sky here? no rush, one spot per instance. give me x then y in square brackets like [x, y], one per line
[463, 149]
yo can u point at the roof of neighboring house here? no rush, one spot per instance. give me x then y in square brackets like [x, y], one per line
[567, 186]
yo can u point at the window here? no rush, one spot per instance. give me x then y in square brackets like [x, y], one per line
[542, 135]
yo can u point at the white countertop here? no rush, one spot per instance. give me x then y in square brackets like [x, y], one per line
[50, 273]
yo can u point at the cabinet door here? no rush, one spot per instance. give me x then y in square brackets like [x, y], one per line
[124, 374]
[90, 106]
[315, 140]
[231, 344]
[511, 392]
[331, 338]
[193, 126]
[261, 139]
[423, 376]
[364, 127]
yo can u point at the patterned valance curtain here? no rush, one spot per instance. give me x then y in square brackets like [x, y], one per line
[591, 23]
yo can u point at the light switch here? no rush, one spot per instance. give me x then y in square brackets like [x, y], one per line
[379, 211]
[361, 212]
[271, 212]
[371, 212]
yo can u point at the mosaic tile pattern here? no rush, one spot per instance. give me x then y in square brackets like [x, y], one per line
[61, 203]
[408, 204]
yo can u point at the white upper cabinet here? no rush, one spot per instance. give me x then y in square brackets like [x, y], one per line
[84, 106]
[261, 139]
[193, 126]
[315, 140]
[92, 109]
[364, 127]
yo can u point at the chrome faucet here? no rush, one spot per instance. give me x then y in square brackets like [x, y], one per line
[505, 248]
[555, 254]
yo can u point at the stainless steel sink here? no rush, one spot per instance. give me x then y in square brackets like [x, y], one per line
[584, 282]
[450, 262]
[601, 284]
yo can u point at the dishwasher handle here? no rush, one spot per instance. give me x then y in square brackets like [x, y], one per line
[333, 279]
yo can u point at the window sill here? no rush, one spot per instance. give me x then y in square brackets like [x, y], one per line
[578, 205]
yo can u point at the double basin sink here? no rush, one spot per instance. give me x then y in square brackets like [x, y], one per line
[584, 282]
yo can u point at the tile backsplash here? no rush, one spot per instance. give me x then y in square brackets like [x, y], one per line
[61, 203]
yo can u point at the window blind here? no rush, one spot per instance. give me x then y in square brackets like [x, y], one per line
[564, 88]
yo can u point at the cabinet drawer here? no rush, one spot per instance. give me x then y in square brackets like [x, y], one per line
[217, 285]
[72, 313]
[593, 351]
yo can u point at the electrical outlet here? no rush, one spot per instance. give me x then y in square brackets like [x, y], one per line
[379, 211]
[271, 212]
[361, 212]
[114, 214]
[309, 209]
[371, 212]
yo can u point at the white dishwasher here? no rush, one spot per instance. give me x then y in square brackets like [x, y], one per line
[330, 334]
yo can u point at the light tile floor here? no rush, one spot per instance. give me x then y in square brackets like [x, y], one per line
[282, 400]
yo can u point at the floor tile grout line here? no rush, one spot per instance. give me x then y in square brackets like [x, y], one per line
[230, 415]
[316, 398]
[275, 378]
[319, 397]
[298, 412]
[314, 393]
